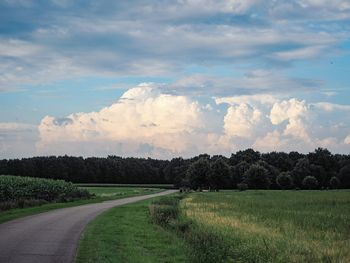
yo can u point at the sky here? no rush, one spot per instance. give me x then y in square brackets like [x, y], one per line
[173, 78]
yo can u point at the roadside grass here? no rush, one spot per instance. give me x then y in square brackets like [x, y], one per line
[102, 194]
[271, 226]
[126, 234]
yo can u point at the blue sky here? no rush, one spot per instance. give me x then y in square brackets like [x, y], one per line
[272, 75]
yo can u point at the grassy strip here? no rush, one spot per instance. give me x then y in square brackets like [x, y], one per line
[202, 245]
[111, 194]
[126, 234]
[163, 186]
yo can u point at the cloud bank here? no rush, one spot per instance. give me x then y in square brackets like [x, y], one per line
[145, 121]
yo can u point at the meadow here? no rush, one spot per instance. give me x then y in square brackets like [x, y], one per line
[271, 226]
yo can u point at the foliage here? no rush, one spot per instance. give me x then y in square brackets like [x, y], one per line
[219, 174]
[284, 180]
[257, 177]
[198, 173]
[344, 176]
[321, 164]
[334, 182]
[242, 187]
[310, 182]
[22, 190]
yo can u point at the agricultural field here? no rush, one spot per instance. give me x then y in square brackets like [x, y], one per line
[272, 226]
[23, 196]
[18, 191]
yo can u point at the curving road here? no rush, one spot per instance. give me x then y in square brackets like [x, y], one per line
[53, 236]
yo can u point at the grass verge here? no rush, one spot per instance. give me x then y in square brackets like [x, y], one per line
[101, 194]
[126, 234]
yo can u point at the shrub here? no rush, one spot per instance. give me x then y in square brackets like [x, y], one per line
[257, 177]
[284, 180]
[242, 186]
[164, 210]
[334, 182]
[310, 182]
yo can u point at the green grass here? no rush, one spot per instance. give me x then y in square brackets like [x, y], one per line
[275, 226]
[126, 234]
[102, 194]
[162, 186]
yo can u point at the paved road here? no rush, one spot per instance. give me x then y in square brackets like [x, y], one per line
[52, 236]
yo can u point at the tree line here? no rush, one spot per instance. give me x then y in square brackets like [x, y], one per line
[245, 169]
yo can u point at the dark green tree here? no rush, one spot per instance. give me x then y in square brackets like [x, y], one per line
[219, 176]
[310, 182]
[257, 177]
[197, 174]
[284, 180]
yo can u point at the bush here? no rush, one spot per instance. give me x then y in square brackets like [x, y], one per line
[242, 186]
[310, 182]
[257, 177]
[334, 182]
[284, 180]
[164, 210]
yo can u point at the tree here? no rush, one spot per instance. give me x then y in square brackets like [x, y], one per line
[197, 174]
[257, 177]
[272, 173]
[310, 182]
[334, 182]
[248, 155]
[300, 171]
[219, 175]
[237, 172]
[344, 176]
[284, 180]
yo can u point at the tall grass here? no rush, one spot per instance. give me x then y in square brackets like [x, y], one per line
[18, 191]
[273, 226]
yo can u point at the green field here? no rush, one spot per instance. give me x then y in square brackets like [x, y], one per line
[275, 226]
[101, 194]
[126, 234]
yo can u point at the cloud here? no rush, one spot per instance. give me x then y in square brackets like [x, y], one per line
[241, 120]
[347, 139]
[48, 42]
[145, 121]
[330, 107]
[141, 115]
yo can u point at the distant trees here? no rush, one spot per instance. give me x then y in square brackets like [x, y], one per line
[334, 182]
[274, 170]
[256, 177]
[219, 175]
[310, 182]
[198, 173]
[284, 180]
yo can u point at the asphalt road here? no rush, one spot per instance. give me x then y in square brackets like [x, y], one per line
[53, 236]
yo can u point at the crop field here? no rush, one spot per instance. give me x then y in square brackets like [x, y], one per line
[274, 226]
[18, 191]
